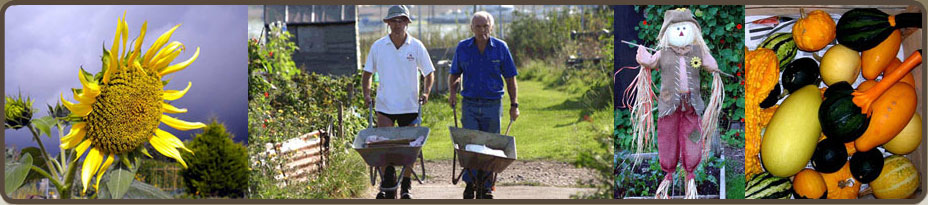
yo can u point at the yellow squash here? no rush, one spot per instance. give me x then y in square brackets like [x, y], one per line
[791, 136]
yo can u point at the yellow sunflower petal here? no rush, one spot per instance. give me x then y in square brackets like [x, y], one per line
[90, 167]
[170, 139]
[81, 148]
[167, 150]
[84, 98]
[75, 136]
[90, 88]
[125, 31]
[168, 108]
[138, 43]
[180, 124]
[180, 66]
[176, 94]
[112, 67]
[146, 61]
[76, 109]
[106, 165]
[159, 63]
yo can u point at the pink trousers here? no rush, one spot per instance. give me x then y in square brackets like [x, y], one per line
[673, 143]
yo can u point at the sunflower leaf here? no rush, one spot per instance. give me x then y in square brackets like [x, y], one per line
[141, 190]
[118, 183]
[44, 125]
[16, 175]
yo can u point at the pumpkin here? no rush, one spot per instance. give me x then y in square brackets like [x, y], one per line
[892, 111]
[841, 184]
[893, 65]
[809, 184]
[898, 180]
[908, 139]
[761, 75]
[814, 31]
[875, 60]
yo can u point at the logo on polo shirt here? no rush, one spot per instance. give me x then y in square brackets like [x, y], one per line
[410, 57]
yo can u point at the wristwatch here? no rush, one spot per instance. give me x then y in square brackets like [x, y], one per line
[514, 105]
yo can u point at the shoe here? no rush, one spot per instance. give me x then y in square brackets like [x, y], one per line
[405, 186]
[487, 194]
[469, 191]
[691, 190]
[389, 180]
[662, 190]
[381, 195]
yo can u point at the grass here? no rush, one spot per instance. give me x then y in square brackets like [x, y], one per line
[734, 183]
[551, 125]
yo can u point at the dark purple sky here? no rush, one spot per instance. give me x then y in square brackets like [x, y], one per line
[45, 45]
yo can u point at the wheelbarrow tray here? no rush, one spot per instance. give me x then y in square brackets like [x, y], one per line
[379, 155]
[479, 161]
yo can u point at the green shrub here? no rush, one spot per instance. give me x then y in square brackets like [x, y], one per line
[218, 166]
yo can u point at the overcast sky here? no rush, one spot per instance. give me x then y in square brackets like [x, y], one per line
[46, 45]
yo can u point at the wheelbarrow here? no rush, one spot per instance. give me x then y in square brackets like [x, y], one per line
[472, 160]
[393, 149]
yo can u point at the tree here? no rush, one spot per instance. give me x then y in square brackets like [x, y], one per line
[218, 166]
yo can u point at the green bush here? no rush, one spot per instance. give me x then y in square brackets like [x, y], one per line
[218, 166]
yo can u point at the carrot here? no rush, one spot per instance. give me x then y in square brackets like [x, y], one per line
[865, 99]
[891, 113]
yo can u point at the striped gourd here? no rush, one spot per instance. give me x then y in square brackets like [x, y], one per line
[898, 180]
[784, 45]
[767, 186]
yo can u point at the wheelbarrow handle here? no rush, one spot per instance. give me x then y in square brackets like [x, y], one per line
[509, 127]
[370, 116]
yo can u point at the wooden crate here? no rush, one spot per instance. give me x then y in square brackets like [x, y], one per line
[913, 39]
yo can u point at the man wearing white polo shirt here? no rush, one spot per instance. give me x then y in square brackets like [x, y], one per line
[398, 60]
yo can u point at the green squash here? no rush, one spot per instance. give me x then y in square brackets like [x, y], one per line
[829, 156]
[863, 28]
[840, 118]
[783, 44]
[866, 166]
[799, 73]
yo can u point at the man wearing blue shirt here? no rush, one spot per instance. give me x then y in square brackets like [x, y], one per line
[484, 62]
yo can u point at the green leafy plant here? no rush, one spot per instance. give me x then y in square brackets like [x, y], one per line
[220, 168]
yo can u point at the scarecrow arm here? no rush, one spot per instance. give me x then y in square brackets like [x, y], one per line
[646, 59]
[709, 63]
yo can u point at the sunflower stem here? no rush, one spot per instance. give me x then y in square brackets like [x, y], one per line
[69, 177]
[45, 153]
[46, 175]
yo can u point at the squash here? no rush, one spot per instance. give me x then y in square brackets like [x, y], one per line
[865, 99]
[799, 73]
[866, 85]
[761, 75]
[841, 184]
[875, 60]
[790, 138]
[864, 28]
[809, 184]
[891, 113]
[783, 45]
[866, 166]
[898, 180]
[908, 139]
[772, 98]
[767, 186]
[814, 31]
[830, 154]
[840, 63]
[840, 117]
[893, 65]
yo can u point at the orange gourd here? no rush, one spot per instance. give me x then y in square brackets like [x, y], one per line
[875, 60]
[909, 78]
[809, 184]
[841, 184]
[865, 99]
[892, 111]
[866, 85]
[814, 31]
[761, 74]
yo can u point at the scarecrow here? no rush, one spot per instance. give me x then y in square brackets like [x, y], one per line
[681, 131]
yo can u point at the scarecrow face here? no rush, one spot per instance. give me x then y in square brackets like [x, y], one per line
[680, 34]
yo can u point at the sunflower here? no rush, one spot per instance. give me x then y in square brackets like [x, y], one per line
[696, 62]
[120, 108]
